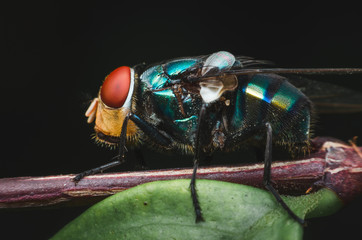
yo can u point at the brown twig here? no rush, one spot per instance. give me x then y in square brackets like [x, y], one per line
[334, 165]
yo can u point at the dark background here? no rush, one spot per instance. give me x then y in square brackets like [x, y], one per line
[57, 54]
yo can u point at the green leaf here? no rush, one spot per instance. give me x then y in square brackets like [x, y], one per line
[164, 210]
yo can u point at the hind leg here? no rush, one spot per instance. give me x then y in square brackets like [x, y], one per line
[267, 174]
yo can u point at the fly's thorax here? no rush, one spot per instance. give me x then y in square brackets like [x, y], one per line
[165, 102]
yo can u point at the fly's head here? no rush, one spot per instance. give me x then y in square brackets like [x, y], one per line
[110, 108]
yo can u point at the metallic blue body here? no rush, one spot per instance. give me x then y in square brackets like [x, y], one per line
[157, 86]
[168, 101]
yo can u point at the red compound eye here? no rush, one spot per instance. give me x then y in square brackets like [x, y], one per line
[116, 86]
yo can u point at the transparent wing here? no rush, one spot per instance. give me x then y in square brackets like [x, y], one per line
[329, 98]
[249, 62]
[299, 71]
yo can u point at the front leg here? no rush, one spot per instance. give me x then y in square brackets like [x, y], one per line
[148, 129]
[119, 157]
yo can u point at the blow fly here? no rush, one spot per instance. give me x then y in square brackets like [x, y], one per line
[210, 103]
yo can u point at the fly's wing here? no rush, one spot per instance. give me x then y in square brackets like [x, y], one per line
[218, 74]
[327, 97]
[249, 62]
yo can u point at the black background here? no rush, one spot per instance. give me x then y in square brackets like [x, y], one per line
[56, 56]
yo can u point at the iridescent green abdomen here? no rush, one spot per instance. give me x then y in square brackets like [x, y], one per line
[270, 98]
[171, 102]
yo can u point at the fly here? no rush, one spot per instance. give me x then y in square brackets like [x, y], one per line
[205, 104]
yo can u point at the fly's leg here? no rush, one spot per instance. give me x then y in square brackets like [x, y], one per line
[148, 129]
[194, 197]
[119, 157]
[267, 175]
[152, 132]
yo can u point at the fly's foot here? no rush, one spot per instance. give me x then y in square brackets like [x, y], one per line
[80, 176]
[100, 169]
